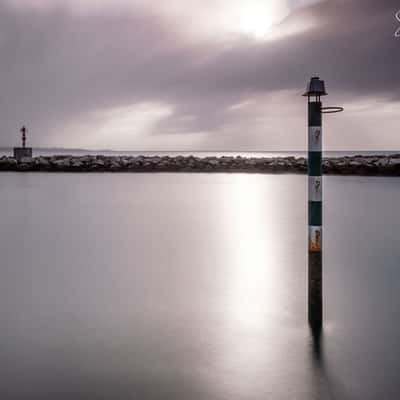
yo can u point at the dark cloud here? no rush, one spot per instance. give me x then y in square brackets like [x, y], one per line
[58, 67]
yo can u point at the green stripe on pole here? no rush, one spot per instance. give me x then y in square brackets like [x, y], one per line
[314, 114]
[315, 213]
[314, 163]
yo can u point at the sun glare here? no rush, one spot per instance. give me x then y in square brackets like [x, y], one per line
[256, 17]
[255, 20]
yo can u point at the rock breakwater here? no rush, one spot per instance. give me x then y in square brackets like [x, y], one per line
[349, 165]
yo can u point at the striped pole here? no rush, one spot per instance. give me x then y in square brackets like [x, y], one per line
[316, 88]
[314, 213]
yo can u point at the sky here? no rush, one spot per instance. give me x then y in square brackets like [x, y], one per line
[197, 74]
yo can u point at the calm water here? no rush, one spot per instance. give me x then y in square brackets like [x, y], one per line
[180, 286]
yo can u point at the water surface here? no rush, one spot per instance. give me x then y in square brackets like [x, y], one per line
[193, 286]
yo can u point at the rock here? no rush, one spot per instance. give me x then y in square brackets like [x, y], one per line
[61, 163]
[382, 162]
[8, 161]
[394, 161]
[213, 162]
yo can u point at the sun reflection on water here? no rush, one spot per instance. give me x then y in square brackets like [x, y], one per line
[252, 253]
[252, 298]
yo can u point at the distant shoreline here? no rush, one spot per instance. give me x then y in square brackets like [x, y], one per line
[366, 165]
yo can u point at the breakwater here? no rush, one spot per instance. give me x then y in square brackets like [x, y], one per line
[388, 165]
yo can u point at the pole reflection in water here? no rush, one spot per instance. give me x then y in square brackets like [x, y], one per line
[323, 384]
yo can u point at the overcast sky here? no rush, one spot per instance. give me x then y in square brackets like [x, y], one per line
[197, 74]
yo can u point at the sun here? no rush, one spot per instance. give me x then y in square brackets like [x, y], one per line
[255, 18]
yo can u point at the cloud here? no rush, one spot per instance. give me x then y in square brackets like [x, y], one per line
[66, 71]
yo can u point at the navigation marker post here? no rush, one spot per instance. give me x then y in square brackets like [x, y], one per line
[315, 89]
[22, 152]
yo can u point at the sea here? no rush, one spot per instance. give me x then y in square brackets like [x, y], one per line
[179, 286]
